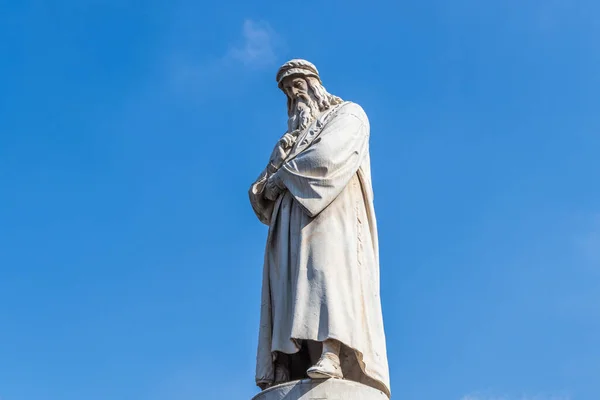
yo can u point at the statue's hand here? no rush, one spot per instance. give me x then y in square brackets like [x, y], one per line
[273, 187]
[287, 140]
[277, 158]
[282, 150]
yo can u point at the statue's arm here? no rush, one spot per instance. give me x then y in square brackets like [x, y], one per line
[263, 193]
[263, 208]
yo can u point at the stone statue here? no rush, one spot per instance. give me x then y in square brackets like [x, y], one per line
[320, 311]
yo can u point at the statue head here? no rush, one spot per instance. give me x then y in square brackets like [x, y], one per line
[306, 95]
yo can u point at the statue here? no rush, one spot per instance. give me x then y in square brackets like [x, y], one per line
[320, 311]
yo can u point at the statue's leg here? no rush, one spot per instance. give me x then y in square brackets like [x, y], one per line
[282, 368]
[315, 349]
[331, 346]
[328, 365]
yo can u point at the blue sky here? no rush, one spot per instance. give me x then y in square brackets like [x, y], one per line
[130, 259]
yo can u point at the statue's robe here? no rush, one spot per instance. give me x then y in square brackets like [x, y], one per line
[321, 267]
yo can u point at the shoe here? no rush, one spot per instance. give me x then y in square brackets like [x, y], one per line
[328, 366]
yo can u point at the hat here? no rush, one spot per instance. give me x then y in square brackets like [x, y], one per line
[296, 67]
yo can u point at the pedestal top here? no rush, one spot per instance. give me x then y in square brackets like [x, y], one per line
[321, 389]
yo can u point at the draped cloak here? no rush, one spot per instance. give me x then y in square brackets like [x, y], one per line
[321, 266]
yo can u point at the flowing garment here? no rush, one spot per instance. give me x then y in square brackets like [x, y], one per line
[321, 266]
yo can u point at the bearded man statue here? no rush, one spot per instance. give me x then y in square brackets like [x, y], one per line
[321, 310]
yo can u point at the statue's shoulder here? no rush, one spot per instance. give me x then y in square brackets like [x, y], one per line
[351, 108]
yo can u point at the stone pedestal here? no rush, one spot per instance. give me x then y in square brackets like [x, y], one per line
[321, 389]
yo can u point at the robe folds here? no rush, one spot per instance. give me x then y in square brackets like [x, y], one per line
[321, 266]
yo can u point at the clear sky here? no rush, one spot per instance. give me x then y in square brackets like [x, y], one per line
[130, 131]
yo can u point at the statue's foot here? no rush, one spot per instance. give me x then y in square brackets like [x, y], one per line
[328, 366]
[264, 385]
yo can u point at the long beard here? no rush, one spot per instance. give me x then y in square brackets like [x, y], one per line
[305, 110]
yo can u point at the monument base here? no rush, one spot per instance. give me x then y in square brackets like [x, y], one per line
[322, 389]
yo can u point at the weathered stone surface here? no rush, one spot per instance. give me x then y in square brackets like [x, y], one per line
[330, 389]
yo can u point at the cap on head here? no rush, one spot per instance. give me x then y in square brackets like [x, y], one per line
[296, 67]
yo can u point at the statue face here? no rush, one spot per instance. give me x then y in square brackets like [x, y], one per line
[293, 86]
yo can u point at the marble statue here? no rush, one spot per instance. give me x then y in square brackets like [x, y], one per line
[321, 310]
